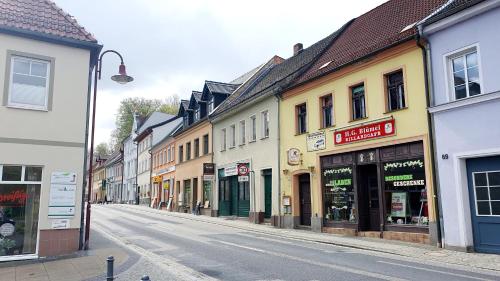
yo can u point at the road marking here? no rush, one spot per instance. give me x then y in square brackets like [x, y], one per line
[437, 271]
[180, 271]
[336, 267]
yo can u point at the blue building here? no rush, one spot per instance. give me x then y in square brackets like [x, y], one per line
[462, 42]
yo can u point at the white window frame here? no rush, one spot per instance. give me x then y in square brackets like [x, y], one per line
[242, 132]
[489, 195]
[265, 121]
[253, 133]
[448, 69]
[232, 136]
[223, 136]
[211, 105]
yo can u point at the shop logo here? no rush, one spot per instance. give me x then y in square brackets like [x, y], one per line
[7, 229]
[18, 197]
[293, 156]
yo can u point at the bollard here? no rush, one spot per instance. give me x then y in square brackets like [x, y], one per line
[109, 275]
[145, 278]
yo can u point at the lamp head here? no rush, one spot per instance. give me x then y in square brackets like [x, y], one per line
[122, 76]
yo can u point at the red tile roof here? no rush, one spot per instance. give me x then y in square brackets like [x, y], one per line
[382, 27]
[42, 16]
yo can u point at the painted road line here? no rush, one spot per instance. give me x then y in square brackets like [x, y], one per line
[332, 266]
[181, 272]
[436, 271]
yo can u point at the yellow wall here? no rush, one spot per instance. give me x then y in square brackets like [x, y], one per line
[411, 123]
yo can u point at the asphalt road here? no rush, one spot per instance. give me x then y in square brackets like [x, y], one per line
[206, 251]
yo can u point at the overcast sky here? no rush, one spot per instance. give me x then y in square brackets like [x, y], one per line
[173, 46]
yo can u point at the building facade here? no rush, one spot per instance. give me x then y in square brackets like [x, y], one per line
[465, 105]
[356, 158]
[99, 180]
[163, 165]
[130, 164]
[114, 177]
[44, 80]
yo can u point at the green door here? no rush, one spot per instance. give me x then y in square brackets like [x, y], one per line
[243, 199]
[224, 195]
[268, 187]
[233, 182]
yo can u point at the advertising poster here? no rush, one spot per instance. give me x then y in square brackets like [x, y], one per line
[398, 204]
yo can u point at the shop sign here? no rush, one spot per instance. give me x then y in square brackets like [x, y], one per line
[365, 132]
[60, 224]
[157, 179]
[231, 170]
[63, 178]
[243, 178]
[208, 177]
[61, 211]
[208, 168]
[316, 141]
[243, 169]
[164, 171]
[293, 156]
[166, 185]
[13, 198]
[404, 174]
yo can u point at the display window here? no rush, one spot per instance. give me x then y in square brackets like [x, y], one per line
[207, 193]
[19, 209]
[338, 194]
[406, 192]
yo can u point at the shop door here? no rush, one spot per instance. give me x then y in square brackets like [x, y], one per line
[483, 175]
[195, 193]
[224, 197]
[369, 209]
[243, 199]
[305, 199]
[233, 181]
[268, 187]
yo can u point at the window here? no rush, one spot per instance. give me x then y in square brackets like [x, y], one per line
[172, 153]
[197, 114]
[465, 71]
[265, 124]
[358, 102]
[185, 120]
[188, 151]
[232, 132]
[207, 192]
[181, 153]
[395, 91]
[205, 144]
[244, 190]
[223, 140]
[338, 194]
[19, 209]
[168, 154]
[29, 83]
[165, 160]
[210, 105]
[301, 111]
[242, 132]
[253, 137]
[197, 148]
[326, 111]
[487, 193]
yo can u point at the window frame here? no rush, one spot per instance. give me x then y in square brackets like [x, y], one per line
[196, 144]
[232, 136]
[253, 121]
[181, 153]
[386, 75]
[8, 80]
[188, 151]
[321, 112]
[351, 101]
[448, 69]
[242, 138]
[206, 144]
[265, 124]
[223, 143]
[298, 130]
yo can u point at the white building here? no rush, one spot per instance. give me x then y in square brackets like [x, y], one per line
[130, 163]
[45, 73]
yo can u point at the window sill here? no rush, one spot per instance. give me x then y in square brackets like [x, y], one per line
[252, 141]
[359, 119]
[304, 133]
[263, 138]
[395, 110]
[27, 108]
[232, 147]
[240, 145]
[328, 128]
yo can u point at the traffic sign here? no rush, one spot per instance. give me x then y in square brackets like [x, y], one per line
[243, 169]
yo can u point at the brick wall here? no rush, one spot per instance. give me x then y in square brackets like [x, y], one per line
[58, 242]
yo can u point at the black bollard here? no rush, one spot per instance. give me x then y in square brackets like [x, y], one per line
[109, 275]
[145, 278]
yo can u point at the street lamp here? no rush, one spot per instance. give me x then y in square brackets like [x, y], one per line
[121, 78]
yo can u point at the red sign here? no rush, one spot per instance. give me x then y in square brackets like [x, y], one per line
[243, 170]
[14, 197]
[366, 132]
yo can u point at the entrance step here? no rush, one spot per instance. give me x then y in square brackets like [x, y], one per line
[371, 234]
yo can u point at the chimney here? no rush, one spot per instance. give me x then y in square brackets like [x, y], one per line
[297, 48]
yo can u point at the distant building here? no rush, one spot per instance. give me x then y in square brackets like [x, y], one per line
[46, 61]
[99, 180]
[130, 163]
[114, 177]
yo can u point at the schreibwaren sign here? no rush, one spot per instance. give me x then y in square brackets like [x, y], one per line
[366, 132]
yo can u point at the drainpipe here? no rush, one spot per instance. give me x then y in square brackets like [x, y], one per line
[280, 222]
[430, 122]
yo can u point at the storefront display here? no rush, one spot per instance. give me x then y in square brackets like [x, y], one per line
[338, 194]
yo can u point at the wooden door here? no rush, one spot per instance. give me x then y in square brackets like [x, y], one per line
[305, 199]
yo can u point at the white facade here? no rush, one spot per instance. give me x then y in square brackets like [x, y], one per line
[144, 170]
[130, 165]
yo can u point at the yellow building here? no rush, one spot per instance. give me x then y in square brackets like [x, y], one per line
[99, 180]
[357, 159]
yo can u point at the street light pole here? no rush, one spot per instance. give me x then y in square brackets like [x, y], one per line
[121, 78]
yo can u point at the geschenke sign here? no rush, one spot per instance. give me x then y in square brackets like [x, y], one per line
[365, 132]
[404, 174]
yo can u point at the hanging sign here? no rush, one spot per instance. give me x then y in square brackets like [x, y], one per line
[293, 155]
[316, 141]
[365, 132]
[208, 168]
[231, 171]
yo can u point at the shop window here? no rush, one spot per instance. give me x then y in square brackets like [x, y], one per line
[395, 91]
[326, 111]
[244, 190]
[197, 148]
[464, 71]
[338, 194]
[301, 119]
[487, 193]
[207, 193]
[405, 192]
[187, 192]
[19, 209]
[205, 144]
[358, 103]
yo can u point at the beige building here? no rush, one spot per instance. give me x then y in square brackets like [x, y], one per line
[45, 67]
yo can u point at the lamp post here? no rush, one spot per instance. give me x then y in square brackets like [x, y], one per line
[121, 78]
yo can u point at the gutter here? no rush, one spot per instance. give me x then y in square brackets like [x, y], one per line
[278, 98]
[426, 52]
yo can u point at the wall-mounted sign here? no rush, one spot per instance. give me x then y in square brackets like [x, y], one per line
[231, 170]
[243, 169]
[63, 178]
[287, 200]
[164, 171]
[404, 174]
[208, 177]
[366, 132]
[316, 141]
[61, 211]
[60, 224]
[62, 195]
[62, 198]
[157, 179]
[208, 168]
[293, 156]
[243, 178]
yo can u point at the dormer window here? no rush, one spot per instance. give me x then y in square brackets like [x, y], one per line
[211, 105]
[186, 120]
[197, 114]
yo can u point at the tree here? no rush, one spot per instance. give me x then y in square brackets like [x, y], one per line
[144, 107]
[102, 149]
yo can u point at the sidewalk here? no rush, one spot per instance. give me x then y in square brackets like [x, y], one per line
[89, 265]
[418, 252]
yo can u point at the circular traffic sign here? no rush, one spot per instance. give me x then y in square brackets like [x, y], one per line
[243, 170]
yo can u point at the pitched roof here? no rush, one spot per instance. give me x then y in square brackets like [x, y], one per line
[162, 132]
[246, 76]
[197, 95]
[154, 119]
[382, 27]
[279, 75]
[452, 8]
[42, 16]
[220, 87]
[113, 158]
